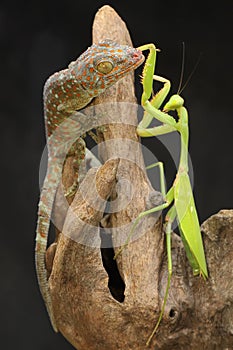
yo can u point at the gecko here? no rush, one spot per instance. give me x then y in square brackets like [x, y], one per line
[66, 92]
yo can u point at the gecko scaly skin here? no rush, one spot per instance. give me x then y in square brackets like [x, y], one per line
[65, 92]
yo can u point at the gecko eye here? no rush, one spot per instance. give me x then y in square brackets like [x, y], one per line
[104, 67]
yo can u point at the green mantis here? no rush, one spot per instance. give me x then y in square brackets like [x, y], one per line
[179, 196]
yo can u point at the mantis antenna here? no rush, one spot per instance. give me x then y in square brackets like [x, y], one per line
[182, 71]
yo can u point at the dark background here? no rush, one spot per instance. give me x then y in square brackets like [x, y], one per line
[40, 37]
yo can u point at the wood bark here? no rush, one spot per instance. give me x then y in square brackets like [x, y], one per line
[100, 304]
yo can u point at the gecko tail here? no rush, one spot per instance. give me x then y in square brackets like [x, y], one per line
[44, 214]
[43, 283]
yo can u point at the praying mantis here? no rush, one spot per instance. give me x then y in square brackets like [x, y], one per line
[179, 196]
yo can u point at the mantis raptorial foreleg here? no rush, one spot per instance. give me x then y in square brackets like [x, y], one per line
[180, 195]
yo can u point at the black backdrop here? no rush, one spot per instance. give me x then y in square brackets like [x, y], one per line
[40, 37]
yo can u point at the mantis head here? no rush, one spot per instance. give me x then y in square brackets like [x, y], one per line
[175, 102]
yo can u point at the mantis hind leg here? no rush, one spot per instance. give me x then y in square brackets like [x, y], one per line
[140, 216]
[168, 199]
[170, 217]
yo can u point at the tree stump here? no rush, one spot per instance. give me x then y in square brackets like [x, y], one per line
[108, 305]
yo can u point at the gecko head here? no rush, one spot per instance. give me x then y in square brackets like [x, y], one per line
[103, 64]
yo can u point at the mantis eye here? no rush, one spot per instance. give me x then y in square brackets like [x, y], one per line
[104, 67]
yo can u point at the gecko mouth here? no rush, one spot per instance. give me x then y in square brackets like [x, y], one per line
[138, 63]
[129, 68]
[135, 65]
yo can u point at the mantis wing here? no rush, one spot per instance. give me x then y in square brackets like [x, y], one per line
[189, 224]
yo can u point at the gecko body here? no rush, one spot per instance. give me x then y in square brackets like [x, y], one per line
[65, 92]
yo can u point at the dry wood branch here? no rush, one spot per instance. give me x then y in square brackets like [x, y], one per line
[98, 308]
